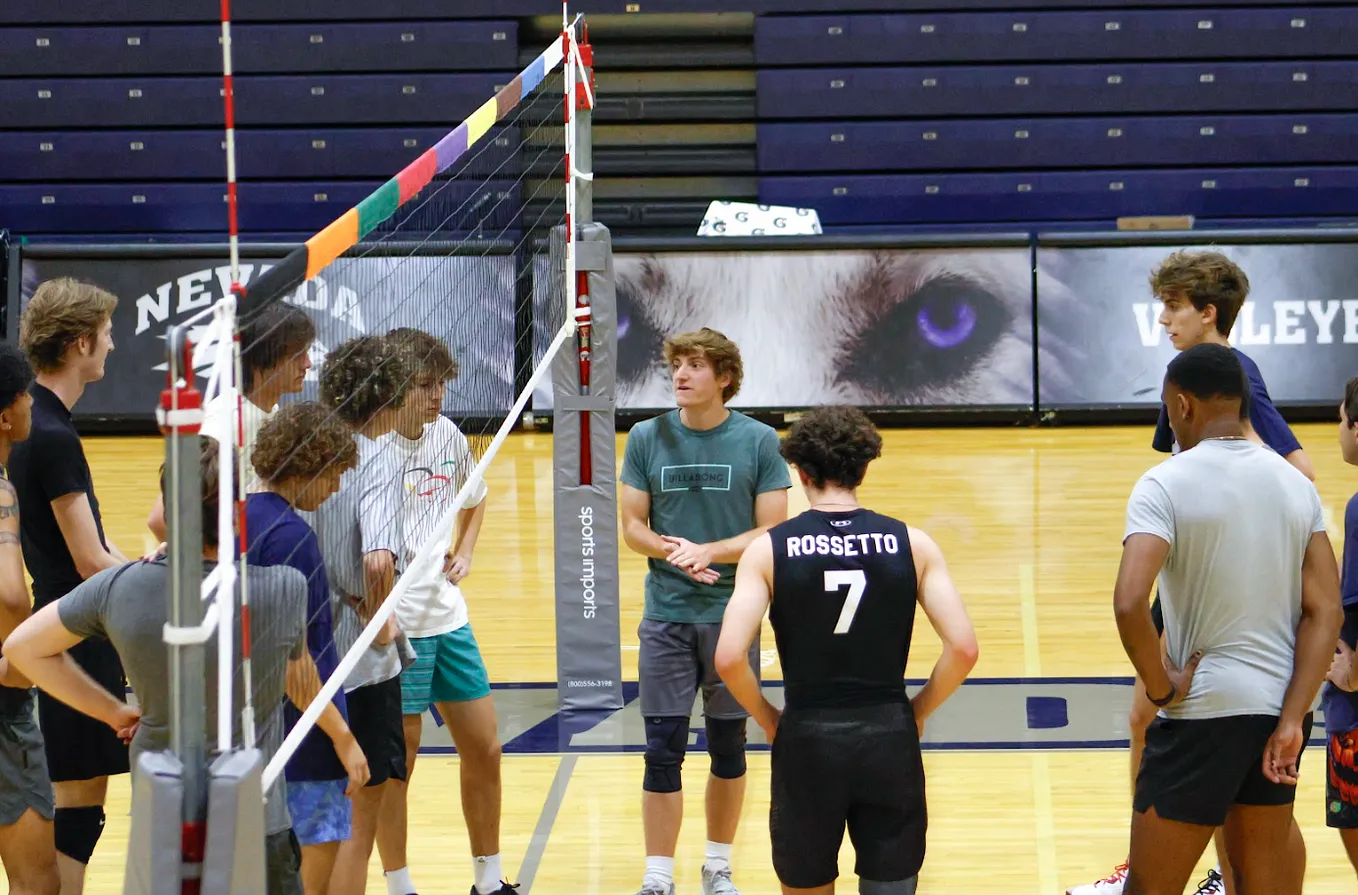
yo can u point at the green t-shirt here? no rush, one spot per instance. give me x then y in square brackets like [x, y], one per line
[703, 486]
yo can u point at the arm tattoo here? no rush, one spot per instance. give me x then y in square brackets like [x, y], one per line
[9, 500]
[8, 537]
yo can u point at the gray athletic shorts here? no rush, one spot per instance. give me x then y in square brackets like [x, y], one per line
[24, 782]
[676, 660]
[283, 863]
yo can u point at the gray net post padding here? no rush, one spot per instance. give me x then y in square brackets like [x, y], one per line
[588, 637]
[233, 862]
[154, 861]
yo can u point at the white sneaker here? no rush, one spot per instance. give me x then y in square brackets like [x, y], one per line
[650, 888]
[1213, 885]
[1110, 885]
[717, 881]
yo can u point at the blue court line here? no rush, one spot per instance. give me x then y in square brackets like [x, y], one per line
[633, 749]
[909, 682]
[546, 737]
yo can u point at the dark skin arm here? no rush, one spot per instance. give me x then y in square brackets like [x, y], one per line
[1322, 615]
[1143, 555]
[15, 603]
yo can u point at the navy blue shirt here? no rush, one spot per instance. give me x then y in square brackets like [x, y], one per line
[280, 537]
[1264, 417]
[1341, 709]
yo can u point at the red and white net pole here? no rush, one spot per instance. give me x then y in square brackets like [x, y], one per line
[579, 102]
[226, 536]
[229, 98]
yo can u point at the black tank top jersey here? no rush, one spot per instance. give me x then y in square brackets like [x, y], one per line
[844, 589]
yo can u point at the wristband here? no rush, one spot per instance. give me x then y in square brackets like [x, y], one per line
[1161, 703]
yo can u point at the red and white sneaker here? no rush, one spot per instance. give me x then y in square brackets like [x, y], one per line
[1110, 885]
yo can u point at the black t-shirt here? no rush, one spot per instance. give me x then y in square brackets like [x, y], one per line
[48, 465]
[844, 591]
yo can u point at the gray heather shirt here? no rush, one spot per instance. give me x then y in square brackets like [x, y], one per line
[363, 516]
[128, 606]
[1238, 518]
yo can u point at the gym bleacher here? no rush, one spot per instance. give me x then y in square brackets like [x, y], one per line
[966, 115]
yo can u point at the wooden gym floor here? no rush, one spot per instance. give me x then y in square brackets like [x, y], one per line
[1030, 521]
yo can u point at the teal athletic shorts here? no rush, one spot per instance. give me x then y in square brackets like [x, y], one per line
[448, 668]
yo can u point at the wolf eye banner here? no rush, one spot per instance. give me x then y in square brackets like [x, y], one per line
[948, 327]
[353, 297]
[887, 327]
[1299, 323]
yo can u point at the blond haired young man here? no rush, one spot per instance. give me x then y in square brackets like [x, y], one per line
[699, 484]
[67, 333]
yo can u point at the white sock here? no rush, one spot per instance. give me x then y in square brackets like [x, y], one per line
[659, 871]
[398, 882]
[718, 854]
[488, 874]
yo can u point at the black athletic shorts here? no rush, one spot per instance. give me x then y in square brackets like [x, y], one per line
[859, 767]
[1193, 771]
[376, 718]
[79, 747]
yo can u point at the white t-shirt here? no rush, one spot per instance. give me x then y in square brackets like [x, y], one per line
[363, 516]
[434, 469]
[217, 422]
[1238, 519]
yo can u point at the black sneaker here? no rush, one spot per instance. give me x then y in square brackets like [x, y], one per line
[505, 889]
[1213, 885]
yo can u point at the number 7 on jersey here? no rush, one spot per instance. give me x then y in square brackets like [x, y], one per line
[857, 582]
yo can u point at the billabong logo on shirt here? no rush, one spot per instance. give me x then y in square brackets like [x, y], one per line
[696, 477]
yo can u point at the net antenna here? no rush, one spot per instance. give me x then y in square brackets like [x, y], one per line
[231, 338]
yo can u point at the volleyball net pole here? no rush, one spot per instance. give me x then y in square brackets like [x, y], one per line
[588, 635]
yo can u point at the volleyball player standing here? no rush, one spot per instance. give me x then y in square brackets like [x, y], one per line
[698, 485]
[840, 584]
[67, 333]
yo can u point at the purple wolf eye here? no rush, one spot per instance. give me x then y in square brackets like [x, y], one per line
[946, 324]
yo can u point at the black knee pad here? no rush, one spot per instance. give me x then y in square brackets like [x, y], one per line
[77, 831]
[726, 746]
[666, 742]
[899, 887]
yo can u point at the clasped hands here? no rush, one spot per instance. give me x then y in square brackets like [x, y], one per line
[694, 559]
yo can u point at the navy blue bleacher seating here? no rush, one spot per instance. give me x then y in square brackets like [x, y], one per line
[879, 113]
[169, 208]
[196, 49]
[152, 154]
[1069, 196]
[84, 11]
[1293, 32]
[1008, 90]
[291, 100]
[1023, 143]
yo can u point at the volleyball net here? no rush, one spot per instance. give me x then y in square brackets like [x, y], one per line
[358, 393]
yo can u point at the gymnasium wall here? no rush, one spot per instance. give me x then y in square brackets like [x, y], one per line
[942, 142]
[887, 116]
[919, 329]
